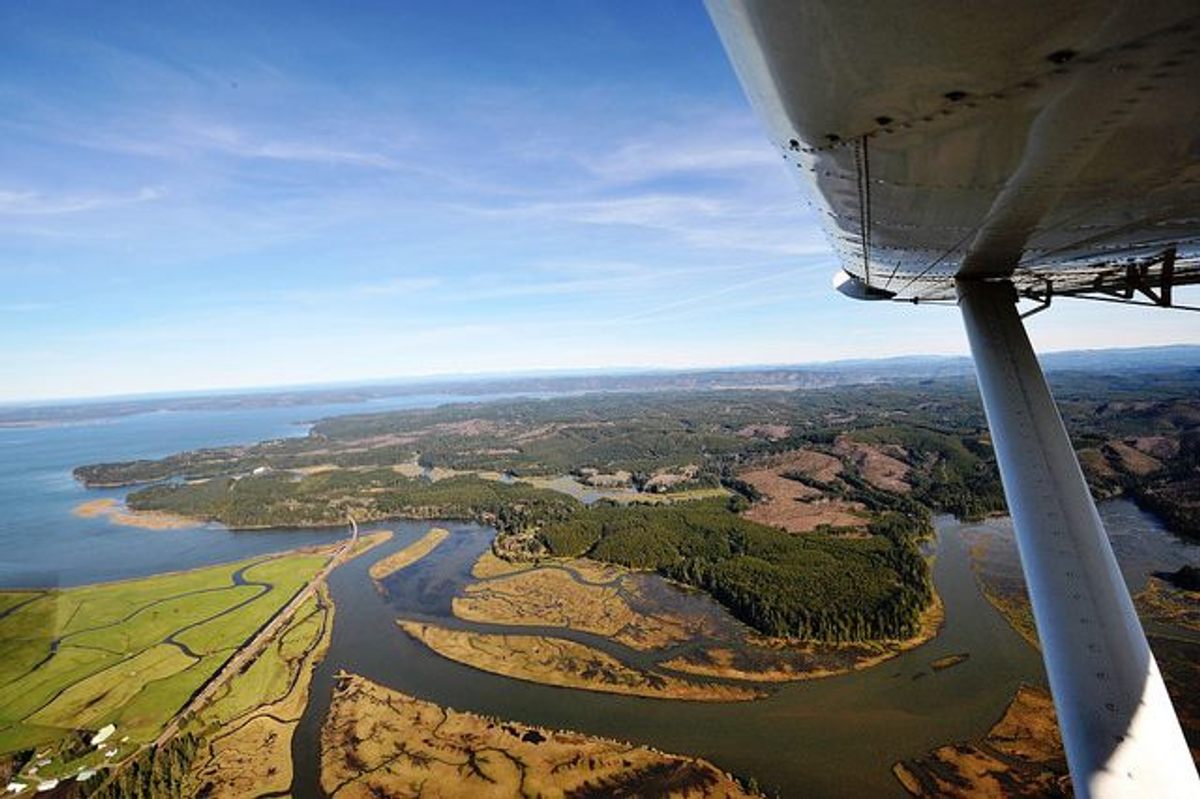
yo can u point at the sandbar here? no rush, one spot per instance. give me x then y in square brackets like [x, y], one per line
[1021, 756]
[555, 661]
[393, 563]
[117, 513]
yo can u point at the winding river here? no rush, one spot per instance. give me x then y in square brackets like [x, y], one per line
[832, 737]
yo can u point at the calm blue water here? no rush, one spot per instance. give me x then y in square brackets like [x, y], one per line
[42, 543]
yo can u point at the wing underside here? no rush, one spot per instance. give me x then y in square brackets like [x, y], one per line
[1055, 146]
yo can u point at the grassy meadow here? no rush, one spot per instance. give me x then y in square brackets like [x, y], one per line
[128, 653]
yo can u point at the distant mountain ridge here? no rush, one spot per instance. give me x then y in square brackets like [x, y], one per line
[778, 377]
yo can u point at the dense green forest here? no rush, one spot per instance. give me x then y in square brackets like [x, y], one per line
[328, 498]
[825, 586]
[819, 586]
[939, 423]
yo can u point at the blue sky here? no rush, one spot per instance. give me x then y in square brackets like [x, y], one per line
[214, 195]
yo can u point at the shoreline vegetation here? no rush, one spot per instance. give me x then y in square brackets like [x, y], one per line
[1170, 615]
[629, 607]
[823, 586]
[801, 524]
[240, 743]
[448, 752]
[1133, 433]
[775, 660]
[574, 595]
[248, 730]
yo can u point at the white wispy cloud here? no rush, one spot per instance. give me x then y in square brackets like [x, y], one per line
[700, 220]
[393, 287]
[704, 299]
[25, 307]
[35, 203]
[234, 141]
[642, 160]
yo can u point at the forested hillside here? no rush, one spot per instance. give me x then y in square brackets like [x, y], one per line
[800, 511]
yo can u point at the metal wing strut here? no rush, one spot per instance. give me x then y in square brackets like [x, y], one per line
[1118, 725]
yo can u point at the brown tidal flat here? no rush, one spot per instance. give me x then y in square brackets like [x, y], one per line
[379, 742]
[1021, 756]
[567, 664]
[576, 595]
[1164, 603]
[393, 563]
[1002, 583]
[117, 513]
[489, 565]
[642, 611]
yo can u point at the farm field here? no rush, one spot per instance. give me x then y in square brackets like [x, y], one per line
[128, 654]
[247, 730]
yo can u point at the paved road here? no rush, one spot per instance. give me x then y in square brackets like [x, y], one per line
[259, 641]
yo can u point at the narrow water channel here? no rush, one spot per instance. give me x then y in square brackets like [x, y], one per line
[832, 737]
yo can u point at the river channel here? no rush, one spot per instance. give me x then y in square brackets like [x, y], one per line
[832, 737]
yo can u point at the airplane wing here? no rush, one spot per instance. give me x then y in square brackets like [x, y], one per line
[983, 152]
[1051, 142]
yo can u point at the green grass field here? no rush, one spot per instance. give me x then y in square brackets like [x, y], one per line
[128, 653]
[273, 674]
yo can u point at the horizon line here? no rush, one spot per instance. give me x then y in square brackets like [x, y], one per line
[483, 377]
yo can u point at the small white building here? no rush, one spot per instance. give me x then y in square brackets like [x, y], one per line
[103, 734]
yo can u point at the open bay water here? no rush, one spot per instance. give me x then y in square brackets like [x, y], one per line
[42, 542]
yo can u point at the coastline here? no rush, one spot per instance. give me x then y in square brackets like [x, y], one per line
[117, 513]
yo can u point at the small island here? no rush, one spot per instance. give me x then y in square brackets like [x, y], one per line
[557, 661]
[385, 567]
